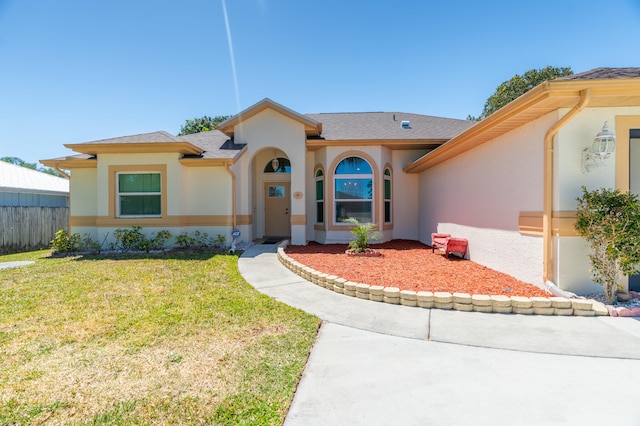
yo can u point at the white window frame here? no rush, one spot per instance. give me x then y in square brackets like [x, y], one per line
[371, 200]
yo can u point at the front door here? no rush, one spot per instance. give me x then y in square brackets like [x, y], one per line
[634, 185]
[277, 203]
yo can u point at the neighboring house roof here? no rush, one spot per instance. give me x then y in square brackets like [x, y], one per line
[21, 179]
[620, 91]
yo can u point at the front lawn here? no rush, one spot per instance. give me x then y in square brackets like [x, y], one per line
[167, 339]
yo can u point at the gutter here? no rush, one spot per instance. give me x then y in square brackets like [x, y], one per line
[547, 209]
[233, 195]
[62, 172]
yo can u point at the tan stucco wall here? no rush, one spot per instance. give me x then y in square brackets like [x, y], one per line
[205, 191]
[83, 193]
[266, 134]
[571, 264]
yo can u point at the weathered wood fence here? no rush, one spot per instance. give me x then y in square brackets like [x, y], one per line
[30, 228]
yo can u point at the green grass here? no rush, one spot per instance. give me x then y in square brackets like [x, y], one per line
[168, 339]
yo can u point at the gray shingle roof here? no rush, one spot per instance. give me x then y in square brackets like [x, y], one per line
[387, 126]
[153, 137]
[214, 143]
[604, 73]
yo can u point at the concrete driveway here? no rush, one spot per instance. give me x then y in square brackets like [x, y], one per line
[380, 364]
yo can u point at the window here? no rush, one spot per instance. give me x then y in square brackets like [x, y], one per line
[139, 194]
[319, 197]
[353, 186]
[284, 166]
[387, 196]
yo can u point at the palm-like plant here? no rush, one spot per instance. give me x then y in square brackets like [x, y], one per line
[362, 233]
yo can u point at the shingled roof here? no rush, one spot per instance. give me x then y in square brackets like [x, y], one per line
[387, 126]
[604, 73]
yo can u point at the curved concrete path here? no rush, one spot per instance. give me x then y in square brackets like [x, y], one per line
[375, 363]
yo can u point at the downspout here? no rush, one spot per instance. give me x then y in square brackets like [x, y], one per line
[547, 208]
[233, 195]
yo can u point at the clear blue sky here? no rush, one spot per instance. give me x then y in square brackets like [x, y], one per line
[79, 70]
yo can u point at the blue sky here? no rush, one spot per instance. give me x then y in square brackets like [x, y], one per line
[75, 70]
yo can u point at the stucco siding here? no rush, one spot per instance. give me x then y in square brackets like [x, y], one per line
[479, 195]
[83, 192]
[205, 191]
[404, 196]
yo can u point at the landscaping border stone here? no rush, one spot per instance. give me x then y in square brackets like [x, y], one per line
[560, 306]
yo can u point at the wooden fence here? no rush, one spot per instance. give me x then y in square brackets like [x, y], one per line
[30, 228]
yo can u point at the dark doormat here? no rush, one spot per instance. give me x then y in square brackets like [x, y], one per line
[272, 240]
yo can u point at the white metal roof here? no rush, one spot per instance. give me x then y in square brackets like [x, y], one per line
[21, 179]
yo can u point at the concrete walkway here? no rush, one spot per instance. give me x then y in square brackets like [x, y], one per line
[16, 264]
[376, 363]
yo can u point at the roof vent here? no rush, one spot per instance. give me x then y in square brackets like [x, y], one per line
[405, 124]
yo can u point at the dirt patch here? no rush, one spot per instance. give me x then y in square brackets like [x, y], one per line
[410, 265]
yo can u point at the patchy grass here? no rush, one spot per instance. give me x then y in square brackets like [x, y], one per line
[167, 339]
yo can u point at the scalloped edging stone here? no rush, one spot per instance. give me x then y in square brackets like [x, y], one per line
[559, 306]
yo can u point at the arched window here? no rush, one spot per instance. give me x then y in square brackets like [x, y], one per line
[284, 166]
[319, 196]
[387, 196]
[353, 186]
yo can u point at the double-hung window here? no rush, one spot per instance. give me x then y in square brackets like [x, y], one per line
[353, 186]
[139, 194]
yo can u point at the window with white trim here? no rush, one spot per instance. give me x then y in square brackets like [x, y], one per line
[319, 196]
[139, 194]
[353, 190]
[387, 196]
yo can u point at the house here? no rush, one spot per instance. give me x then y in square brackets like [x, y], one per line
[268, 171]
[33, 206]
[508, 183]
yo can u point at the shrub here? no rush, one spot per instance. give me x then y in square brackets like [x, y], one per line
[362, 234]
[200, 240]
[134, 240]
[610, 222]
[63, 242]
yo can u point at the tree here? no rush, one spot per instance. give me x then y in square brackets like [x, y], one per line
[201, 124]
[610, 222]
[517, 86]
[33, 166]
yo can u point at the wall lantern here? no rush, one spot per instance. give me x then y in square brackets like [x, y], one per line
[602, 147]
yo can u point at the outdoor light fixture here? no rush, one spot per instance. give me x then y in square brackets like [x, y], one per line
[602, 147]
[275, 163]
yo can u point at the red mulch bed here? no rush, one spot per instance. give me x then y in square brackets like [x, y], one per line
[410, 265]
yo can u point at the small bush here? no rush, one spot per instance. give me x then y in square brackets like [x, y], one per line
[65, 243]
[200, 240]
[134, 240]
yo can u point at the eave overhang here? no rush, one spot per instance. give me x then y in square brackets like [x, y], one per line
[541, 100]
[184, 148]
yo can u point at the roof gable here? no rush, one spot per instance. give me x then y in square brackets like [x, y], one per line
[311, 126]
